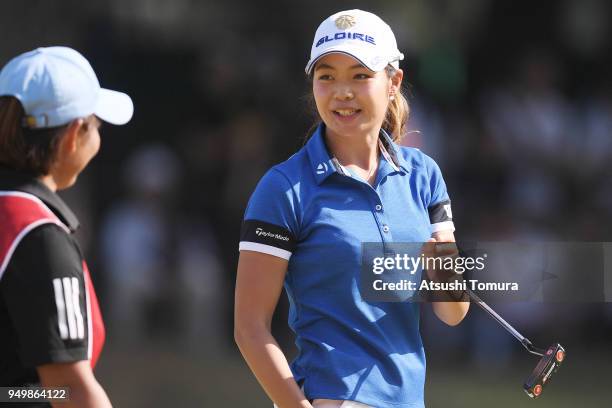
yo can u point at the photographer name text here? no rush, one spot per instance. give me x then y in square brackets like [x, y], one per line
[425, 285]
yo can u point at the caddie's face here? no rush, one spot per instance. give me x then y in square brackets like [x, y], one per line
[351, 99]
[84, 147]
[90, 138]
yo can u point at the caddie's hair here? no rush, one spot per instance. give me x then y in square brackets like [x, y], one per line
[24, 149]
[395, 120]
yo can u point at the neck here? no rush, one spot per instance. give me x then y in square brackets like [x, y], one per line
[359, 151]
[48, 181]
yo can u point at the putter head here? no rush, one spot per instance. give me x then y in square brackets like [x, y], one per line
[547, 366]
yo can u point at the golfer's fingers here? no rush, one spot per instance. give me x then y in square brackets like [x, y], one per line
[429, 248]
[446, 249]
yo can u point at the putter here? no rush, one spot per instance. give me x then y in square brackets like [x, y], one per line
[550, 361]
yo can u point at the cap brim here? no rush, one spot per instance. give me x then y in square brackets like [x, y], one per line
[114, 107]
[364, 58]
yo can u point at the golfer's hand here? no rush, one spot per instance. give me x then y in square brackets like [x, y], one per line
[439, 270]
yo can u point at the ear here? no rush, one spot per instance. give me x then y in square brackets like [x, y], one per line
[69, 142]
[396, 82]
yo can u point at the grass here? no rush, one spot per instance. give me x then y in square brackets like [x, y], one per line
[161, 376]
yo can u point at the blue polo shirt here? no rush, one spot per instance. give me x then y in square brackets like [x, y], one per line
[313, 212]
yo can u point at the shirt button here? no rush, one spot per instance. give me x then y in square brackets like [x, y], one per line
[385, 228]
[378, 207]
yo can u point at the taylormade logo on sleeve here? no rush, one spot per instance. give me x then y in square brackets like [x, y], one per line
[261, 233]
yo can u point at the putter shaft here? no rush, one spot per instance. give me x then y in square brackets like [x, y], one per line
[524, 341]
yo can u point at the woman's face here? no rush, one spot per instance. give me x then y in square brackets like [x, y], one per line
[351, 99]
[87, 145]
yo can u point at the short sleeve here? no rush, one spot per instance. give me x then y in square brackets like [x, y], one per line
[439, 206]
[44, 293]
[270, 221]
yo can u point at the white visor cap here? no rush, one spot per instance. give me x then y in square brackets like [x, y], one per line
[360, 34]
[57, 85]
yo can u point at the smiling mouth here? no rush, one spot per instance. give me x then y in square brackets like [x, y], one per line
[346, 112]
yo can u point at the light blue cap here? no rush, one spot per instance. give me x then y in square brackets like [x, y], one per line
[57, 85]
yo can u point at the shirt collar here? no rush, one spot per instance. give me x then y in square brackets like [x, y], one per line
[390, 151]
[323, 165]
[13, 180]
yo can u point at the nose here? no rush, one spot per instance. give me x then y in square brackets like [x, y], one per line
[344, 93]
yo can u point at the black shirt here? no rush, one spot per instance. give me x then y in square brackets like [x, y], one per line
[44, 316]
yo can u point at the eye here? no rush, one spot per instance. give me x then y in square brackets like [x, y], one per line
[325, 77]
[362, 76]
